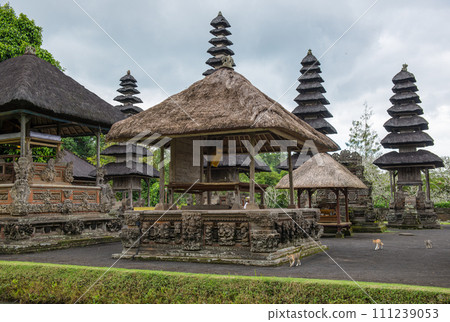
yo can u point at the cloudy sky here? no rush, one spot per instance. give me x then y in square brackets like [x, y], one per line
[164, 45]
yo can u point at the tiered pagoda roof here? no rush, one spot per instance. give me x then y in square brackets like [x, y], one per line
[311, 102]
[127, 97]
[220, 43]
[127, 162]
[406, 128]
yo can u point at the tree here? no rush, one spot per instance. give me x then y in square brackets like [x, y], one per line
[17, 33]
[363, 139]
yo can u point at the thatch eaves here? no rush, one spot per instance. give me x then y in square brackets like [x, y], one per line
[322, 172]
[422, 158]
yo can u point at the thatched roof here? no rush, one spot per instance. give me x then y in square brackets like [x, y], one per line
[322, 172]
[422, 158]
[30, 83]
[122, 169]
[81, 168]
[224, 102]
[124, 149]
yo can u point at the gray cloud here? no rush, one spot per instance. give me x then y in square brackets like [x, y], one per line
[169, 40]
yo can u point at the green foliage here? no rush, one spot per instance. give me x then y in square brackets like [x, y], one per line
[363, 139]
[445, 204]
[19, 32]
[440, 182]
[86, 148]
[49, 283]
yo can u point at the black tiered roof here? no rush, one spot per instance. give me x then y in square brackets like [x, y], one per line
[311, 103]
[406, 128]
[219, 42]
[128, 90]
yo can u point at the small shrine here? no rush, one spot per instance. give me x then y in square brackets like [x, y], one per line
[360, 201]
[42, 203]
[128, 171]
[220, 43]
[222, 114]
[322, 172]
[406, 133]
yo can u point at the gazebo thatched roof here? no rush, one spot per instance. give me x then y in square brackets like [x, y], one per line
[33, 85]
[223, 103]
[322, 172]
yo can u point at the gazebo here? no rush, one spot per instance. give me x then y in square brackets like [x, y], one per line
[323, 172]
[39, 201]
[222, 112]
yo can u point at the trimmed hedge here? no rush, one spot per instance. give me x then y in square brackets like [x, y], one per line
[49, 283]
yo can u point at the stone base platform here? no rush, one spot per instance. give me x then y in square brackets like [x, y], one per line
[226, 257]
[368, 227]
[247, 237]
[40, 233]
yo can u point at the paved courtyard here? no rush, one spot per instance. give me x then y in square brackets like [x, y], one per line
[404, 259]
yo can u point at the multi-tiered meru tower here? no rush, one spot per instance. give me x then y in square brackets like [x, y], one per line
[220, 44]
[406, 133]
[128, 91]
[311, 102]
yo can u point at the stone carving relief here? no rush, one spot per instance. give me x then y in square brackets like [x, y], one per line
[208, 233]
[18, 231]
[243, 234]
[162, 232]
[68, 172]
[192, 231]
[114, 225]
[264, 242]
[106, 198]
[20, 192]
[130, 236]
[226, 233]
[49, 172]
[73, 227]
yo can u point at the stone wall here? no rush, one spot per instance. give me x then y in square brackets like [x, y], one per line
[250, 237]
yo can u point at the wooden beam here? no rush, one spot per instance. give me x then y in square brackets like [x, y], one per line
[427, 178]
[347, 216]
[208, 178]
[291, 181]
[23, 129]
[338, 211]
[161, 176]
[97, 135]
[148, 194]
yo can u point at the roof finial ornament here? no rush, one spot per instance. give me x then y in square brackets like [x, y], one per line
[220, 13]
[309, 52]
[30, 50]
[227, 61]
[405, 68]
[128, 72]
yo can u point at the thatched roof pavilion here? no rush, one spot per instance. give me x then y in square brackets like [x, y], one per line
[223, 106]
[55, 103]
[224, 103]
[323, 172]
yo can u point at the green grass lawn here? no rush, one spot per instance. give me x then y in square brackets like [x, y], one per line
[25, 282]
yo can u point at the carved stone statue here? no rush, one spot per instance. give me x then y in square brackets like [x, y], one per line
[49, 173]
[68, 172]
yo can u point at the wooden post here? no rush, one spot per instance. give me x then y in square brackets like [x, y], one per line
[347, 216]
[299, 194]
[161, 176]
[23, 129]
[252, 179]
[427, 178]
[262, 198]
[208, 178]
[310, 197]
[201, 165]
[338, 211]
[97, 135]
[391, 181]
[148, 194]
[291, 181]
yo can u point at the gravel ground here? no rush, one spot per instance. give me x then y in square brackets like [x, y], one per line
[404, 259]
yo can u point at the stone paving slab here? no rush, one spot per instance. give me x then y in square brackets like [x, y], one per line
[404, 259]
